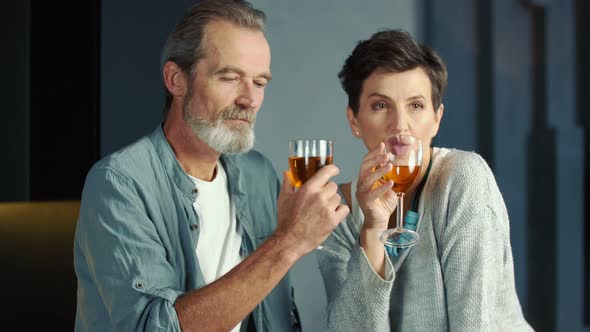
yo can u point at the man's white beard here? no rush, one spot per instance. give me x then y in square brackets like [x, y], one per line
[224, 139]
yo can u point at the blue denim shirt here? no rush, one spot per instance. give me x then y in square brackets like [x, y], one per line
[136, 237]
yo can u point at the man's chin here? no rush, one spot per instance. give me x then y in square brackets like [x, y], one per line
[236, 145]
[236, 150]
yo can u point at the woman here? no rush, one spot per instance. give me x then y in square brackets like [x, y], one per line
[459, 276]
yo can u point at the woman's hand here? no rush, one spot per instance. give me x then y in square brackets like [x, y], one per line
[376, 198]
[377, 201]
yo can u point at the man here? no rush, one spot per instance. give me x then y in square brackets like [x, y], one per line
[182, 229]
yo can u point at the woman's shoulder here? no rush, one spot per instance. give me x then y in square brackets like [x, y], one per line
[462, 167]
[460, 175]
[458, 158]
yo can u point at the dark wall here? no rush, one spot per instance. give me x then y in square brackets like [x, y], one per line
[583, 120]
[14, 92]
[132, 96]
[64, 96]
[50, 98]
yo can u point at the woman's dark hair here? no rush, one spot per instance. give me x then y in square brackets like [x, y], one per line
[395, 51]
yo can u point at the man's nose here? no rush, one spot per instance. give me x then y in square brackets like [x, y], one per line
[250, 97]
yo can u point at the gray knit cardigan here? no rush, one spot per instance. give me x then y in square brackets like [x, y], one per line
[459, 277]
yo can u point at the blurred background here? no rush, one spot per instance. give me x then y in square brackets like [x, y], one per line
[81, 79]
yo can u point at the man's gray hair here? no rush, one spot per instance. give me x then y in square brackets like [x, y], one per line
[185, 46]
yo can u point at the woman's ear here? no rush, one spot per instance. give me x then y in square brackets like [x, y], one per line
[437, 119]
[174, 79]
[353, 123]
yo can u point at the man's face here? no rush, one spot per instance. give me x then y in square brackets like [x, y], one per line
[227, 87]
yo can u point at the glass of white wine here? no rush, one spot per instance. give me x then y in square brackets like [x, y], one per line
[405, 154]
[306, 157]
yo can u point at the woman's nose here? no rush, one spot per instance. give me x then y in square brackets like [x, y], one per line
[398, 121]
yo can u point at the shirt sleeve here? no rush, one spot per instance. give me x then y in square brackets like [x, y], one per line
[122, 266]
[358, 298]
[476, 255]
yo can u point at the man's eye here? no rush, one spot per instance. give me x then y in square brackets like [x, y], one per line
[260, 84]
[229, 78]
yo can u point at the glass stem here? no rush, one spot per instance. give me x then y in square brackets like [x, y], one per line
[400, 211]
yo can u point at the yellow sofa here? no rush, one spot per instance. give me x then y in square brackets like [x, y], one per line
[36, 246]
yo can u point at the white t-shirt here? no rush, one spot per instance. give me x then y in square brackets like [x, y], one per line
[218, 249]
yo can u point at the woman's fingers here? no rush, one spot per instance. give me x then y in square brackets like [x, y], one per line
[365, 183]
[372, 160]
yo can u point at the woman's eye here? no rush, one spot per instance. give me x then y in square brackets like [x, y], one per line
[417, 106]
[379, 106]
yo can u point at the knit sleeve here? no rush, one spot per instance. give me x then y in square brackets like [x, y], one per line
[475, 252]
[358, 298]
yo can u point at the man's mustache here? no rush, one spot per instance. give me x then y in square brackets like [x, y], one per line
[238, 113]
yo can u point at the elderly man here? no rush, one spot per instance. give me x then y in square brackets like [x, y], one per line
[183, 229]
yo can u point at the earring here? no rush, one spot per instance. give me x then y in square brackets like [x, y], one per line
[358, 132]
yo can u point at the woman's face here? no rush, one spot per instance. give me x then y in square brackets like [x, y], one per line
[395, 103]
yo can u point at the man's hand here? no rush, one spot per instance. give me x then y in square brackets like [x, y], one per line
[307, 216]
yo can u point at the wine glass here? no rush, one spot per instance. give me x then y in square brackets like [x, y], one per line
[405, 154]
[306, 157]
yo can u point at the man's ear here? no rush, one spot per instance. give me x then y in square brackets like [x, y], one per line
[353, 123]
[175, 79]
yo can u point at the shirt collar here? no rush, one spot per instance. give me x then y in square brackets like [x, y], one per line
[170, 163]
[179, 176]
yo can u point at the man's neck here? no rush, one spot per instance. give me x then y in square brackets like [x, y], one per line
[194, 156]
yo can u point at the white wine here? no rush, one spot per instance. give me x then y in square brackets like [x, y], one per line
[403, 177]
[303, 168]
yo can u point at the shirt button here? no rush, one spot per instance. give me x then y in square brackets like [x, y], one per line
[195, 191]
[194, 227]
[139, 285]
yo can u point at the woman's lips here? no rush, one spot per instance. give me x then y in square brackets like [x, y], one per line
[399, 144]
[399, 149]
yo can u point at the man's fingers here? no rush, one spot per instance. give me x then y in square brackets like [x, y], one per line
[288, 183]
[321, 177]
[334, 200]
[330, 189]
[341, 212]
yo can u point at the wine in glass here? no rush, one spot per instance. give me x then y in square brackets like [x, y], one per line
[307, 156]
[405, 154]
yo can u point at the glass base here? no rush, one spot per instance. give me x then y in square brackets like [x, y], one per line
[403, 238]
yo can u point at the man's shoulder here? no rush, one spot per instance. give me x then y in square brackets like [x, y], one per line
[132, 160]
